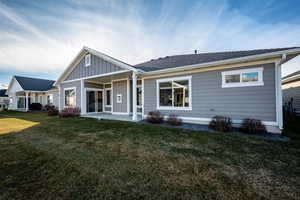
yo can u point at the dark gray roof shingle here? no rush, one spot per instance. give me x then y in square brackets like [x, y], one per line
[201, 58]
[2, 93]
[35, 84]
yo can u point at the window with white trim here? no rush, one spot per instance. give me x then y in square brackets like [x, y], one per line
[174, 93]
[50, 99]
[70, 97]
[139, 93]
[87, 60]
[242, 78]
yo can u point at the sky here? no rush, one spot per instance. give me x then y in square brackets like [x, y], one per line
[40, 38]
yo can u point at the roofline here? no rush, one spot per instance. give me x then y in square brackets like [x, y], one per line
[10, 83]
[226, 61]
[290, 79]
[99, 54]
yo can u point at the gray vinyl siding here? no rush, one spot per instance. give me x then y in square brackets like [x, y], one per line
[98, 66]
[210, 99]
[77, 85]
[120, 87]
[292, 92]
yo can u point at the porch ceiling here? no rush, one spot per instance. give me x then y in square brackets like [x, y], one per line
[109, 78]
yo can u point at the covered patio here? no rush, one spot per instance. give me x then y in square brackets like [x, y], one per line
[115, 96]
[109, 116]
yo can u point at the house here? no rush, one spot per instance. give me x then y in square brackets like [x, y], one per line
[4, 100]
[195, 87]
[291, 91]
[24, 91]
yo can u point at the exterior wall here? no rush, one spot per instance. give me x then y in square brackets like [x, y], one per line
[77, 85]
[120, 87]
[210, 99]
[98, 66]
[292, 90]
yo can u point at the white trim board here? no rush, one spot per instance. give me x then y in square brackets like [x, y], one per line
[82, 53]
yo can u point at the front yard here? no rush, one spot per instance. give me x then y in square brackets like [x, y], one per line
[45, 157]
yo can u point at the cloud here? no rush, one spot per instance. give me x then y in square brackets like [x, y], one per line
[46, 43]
[3, 86]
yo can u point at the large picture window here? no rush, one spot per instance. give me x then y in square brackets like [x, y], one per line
[174, 93]
[243, 78]
[70, 97]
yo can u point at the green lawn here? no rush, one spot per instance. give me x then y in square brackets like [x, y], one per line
[45, 157]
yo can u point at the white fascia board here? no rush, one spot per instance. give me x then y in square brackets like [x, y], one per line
[111, 59]
[10, 85]
[227, 61]
[99, 54]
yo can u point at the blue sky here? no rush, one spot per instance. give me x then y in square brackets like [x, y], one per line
[40, 38]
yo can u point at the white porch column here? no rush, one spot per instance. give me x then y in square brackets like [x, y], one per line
[26, 101]
[82, 98]
[134, 106]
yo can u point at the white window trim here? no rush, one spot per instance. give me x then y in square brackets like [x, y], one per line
[64, 99]
[260, 81]
[119, 100]
[87, 57]
[158, 107]
[140, 86]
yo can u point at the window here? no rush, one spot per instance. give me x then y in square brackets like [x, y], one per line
[50, 99]
[119, 98]
[21, 102]
[243, 78]
[70, 97]
[87, 60]
[139, 96]
[174, 93]
[108, 98]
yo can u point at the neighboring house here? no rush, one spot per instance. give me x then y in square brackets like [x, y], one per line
[4, 99]
[195, 87]
[24, 91]
[291, 91]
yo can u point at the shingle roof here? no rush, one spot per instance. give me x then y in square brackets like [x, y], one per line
[35, 84]
[201, 58]
[2, 93]
[292, 74]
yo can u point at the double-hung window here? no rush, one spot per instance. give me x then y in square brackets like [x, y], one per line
[242, 78]
[174, 93]
[70, 97]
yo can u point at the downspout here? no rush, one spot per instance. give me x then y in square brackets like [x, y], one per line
[279, 104]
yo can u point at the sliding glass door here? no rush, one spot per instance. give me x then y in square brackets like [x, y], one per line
[94, 101]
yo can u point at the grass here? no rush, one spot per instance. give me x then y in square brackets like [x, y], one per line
[45, 157]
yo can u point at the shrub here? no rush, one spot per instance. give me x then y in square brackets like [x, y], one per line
[70, 112]
[174, 120]
[221, 123]
[35, 106]
[253, 126]
[53, 111]
[155, 117]
[49, 107]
